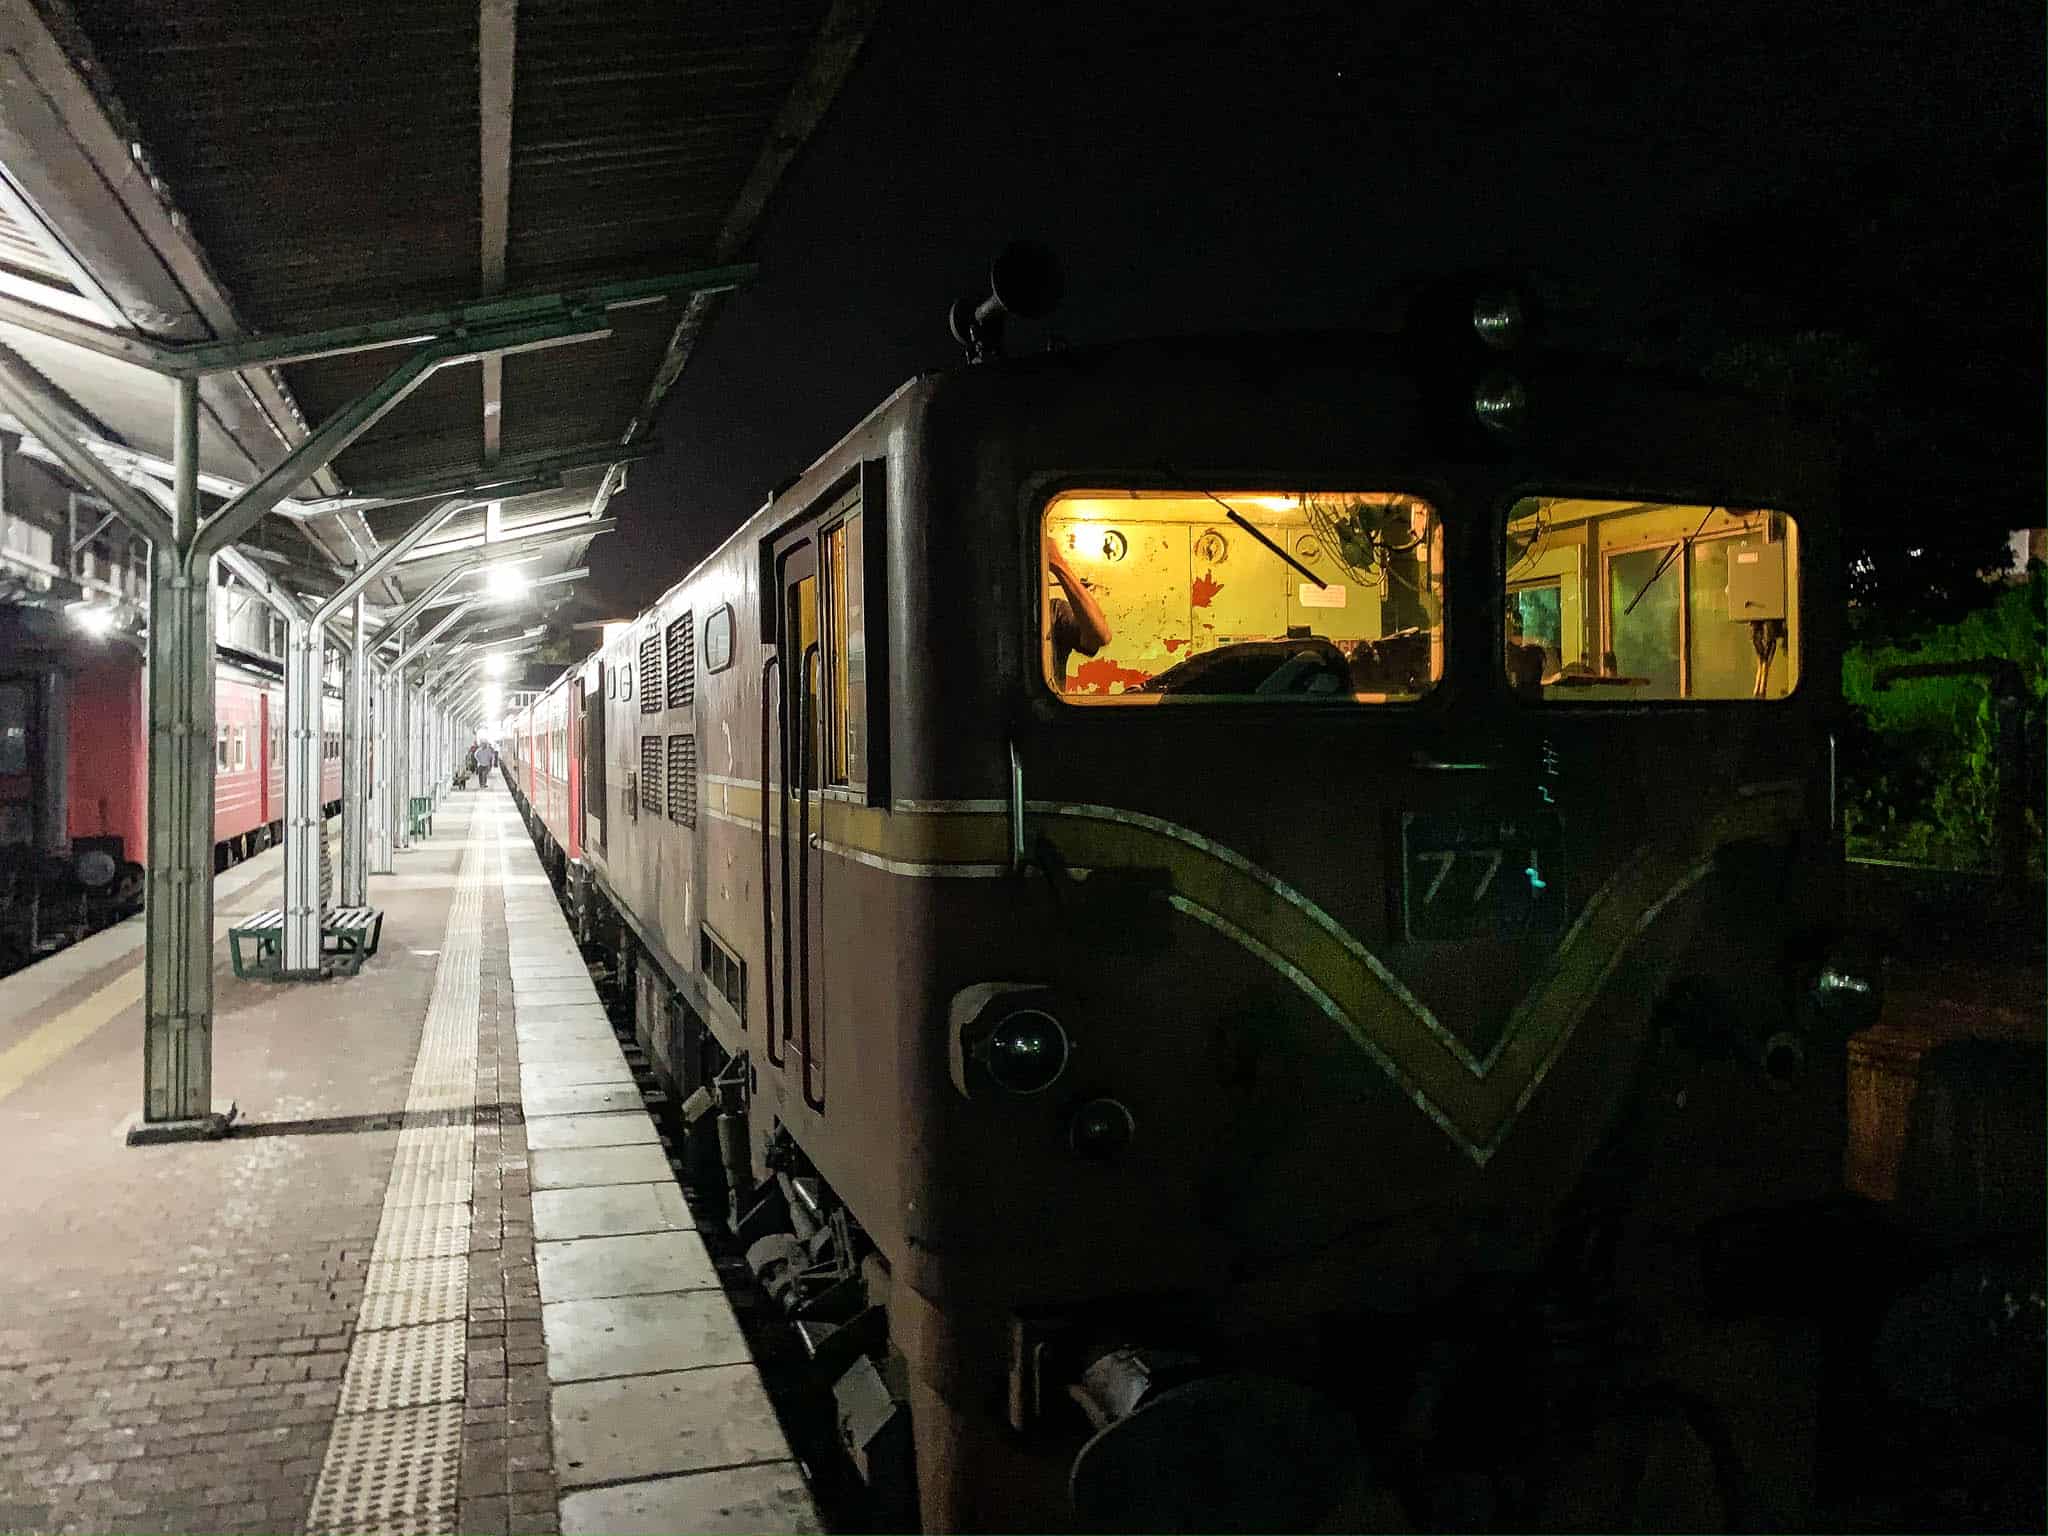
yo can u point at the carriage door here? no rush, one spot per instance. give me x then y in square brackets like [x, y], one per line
[793, 827]
[591, 702]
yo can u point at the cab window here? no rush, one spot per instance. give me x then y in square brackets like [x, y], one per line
[846, 655]
[1269, 595]
[1634, 601]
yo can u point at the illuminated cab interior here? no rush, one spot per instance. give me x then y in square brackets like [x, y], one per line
[1154, 597]
[1648, 601]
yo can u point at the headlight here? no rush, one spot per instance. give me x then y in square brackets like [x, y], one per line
[1101, 1130]
[1006, 1036]
[1834, 985]
[1499, 402]
[1497, 319]
[1847, 988]
[1026, 1052]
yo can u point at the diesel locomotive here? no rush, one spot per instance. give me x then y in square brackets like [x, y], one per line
[1225, 911]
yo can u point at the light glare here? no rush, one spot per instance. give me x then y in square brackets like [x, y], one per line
[94, 618]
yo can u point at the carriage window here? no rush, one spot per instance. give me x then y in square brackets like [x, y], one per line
[1644, 601]
[220, 748]
[241, 743]
[846, 655]
[1313, 596]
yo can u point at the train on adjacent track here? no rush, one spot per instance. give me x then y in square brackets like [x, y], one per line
[74, 775]
[1225, 911]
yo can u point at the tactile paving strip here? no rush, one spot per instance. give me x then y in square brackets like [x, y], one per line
[404, 1367]
[392, 1471]
[394, 1456]
[419, 1291]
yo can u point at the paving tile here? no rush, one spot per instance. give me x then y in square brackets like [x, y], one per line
[678, 1421]
[572, 1071]
[558, 1169]
[546, 1133]
[568, 990]
[627, 1335]
[765, 1499]
[530, 1013]
[572, 1043]
[589, 1034]
[583, 1099]
[638, 1265]
[607, 1210]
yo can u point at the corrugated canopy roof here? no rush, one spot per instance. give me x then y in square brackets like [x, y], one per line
[222, 170]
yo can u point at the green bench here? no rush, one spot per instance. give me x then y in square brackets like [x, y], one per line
[422, 815]
[348, 937]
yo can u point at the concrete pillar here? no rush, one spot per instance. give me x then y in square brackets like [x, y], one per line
[178, 895]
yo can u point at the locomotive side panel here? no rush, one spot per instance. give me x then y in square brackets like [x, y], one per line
[695, 855]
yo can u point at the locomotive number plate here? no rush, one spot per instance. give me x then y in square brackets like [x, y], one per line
[1472, 875]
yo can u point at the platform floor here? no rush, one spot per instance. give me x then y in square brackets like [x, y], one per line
[440, 1278]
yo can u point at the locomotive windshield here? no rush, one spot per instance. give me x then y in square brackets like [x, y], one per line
[1263, 595]
[1646, 601]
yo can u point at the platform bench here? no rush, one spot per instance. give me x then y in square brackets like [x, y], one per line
[422, 815]
[348, 937]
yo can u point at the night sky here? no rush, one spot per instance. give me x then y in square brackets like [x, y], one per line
[1287, 165]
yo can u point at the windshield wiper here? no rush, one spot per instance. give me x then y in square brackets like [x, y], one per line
[1243, 522]
[1665, 564]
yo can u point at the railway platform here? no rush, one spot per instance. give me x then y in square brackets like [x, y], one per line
[439, 1276]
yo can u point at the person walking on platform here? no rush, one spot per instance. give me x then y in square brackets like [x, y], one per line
[484, 757]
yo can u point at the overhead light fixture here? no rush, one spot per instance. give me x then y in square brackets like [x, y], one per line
[505, 581]
[495, 665]
[96, 619]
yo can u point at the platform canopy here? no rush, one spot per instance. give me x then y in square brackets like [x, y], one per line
[286, 200]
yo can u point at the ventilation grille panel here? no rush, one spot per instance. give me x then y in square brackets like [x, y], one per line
[682, 661]
[650, 672]
[650, 774]
[682, 779]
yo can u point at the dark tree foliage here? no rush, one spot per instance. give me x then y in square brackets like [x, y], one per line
[1908, 315]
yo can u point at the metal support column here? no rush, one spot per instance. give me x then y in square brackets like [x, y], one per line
[355, 763]
[178, 897]
[305, 893]
[382, 822]
[398, 733]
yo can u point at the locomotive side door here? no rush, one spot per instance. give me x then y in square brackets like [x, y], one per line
[590, 701]
[792, 823]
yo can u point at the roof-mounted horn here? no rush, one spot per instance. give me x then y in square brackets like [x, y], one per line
[1023, 281]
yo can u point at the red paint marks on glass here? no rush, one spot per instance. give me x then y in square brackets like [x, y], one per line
[1103, 676]
[1174, 645]
[1206, 587]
